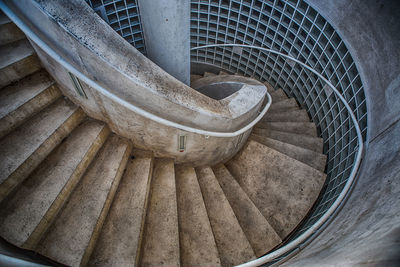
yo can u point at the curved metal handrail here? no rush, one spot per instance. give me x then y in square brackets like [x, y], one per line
[38, 41]
[314, 228]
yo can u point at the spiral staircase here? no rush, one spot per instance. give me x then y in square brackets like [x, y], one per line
[79, 194]
[75, 192]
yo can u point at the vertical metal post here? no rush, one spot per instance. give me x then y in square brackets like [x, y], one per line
[166, 28]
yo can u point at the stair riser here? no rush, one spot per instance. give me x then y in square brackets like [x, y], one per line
[16, 118]
[9, 33]
[19, 70]
[61, 199]
[40, 154]
[106, 207]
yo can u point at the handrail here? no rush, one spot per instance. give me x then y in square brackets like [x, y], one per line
[313, 229]
[36, 39]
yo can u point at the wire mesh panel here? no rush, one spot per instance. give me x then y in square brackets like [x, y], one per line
[294, 28]
[124, 17]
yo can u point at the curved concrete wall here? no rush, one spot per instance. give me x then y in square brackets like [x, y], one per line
[367, 230]
[77, 34]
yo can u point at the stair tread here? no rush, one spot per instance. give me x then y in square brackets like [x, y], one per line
[287, 116]
[305, 128]
[259, 232]
[232, 243]
[30, 206]
[305, 141]
[194, 77]
[207, 74]
[24, 148]
[73, 233]
[120, 236]
[284, 105]
[14, 52]
[283, 188]
[3, 18]
[21, 100]
[197, 242]
[309, 157]
[277, 95]
[161, 238]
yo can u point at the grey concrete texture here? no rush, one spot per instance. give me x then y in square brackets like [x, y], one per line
[282, 188]
[196, 238]
[257, 229]
[120, 238]
[71, 238]
[118, 66]
[366, 232]
[166, 29]
[9, 32]
[22, 150]
[17, 60]
[19, 101]
[306, 128]
[26, 215]
[161, 237]
[233, 245]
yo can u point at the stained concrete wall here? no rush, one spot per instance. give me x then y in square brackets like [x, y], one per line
[166, 28]
[366, 232]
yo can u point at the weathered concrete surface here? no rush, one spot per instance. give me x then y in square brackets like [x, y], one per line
[287, 116]
[257, 229]
[161, 236]
[9, 32]
[284, 105]
[138, 81]
[309, 157]
[196, 237]
[166, 29]
[22, 100]
[367, 229]
[305, 128]
[26, 215]
[232, 243]
[71, 238]
[120, 237]
[17, 60]
[276, 95]
[282, 188]
[23, 150]
[315, 144]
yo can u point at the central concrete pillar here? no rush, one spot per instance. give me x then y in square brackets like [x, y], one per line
[166, 28]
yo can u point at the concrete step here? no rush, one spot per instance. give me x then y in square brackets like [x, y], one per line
[284, 105]
[277, 95]
[282, 188]
[3, 18]
[223, 73]
[120, 237]
[305, 128]
[208, 74]
[286, 116]
[27, 214]
[315, 144]
[17, 60]
[72, 236]
[198, 247]
[21, 100]
[232, 243]
[161, 236]
[9, 32]
[259, 232]
[194, 77]
[24, 149]
[309, 157]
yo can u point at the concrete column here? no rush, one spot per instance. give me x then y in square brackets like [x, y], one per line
[166, 27]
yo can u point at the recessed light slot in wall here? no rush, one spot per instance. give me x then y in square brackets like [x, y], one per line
[77, 85]
[181, 142]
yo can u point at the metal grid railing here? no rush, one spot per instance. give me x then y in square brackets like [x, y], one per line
[293, 28]
[124, 17]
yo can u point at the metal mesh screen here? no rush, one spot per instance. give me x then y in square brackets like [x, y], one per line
[296, 29]
[123, 16]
